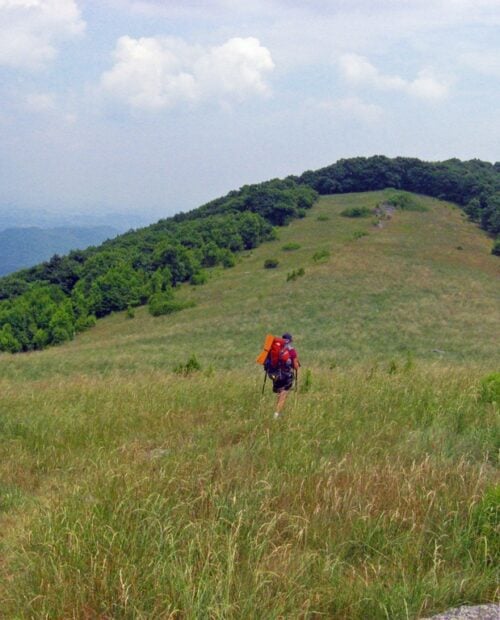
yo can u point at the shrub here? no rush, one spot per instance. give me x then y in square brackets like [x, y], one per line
[84, 322]
[192, 365]
[490, 388]
[322, 218]
[321, 255]
[227, 259]
[198, 278]
[296, 273]
[405, 202]
[130, 313]
[495, 250]
[161, 303]
[271, 263]
[290, 247]
[357, 212]
[357, 234]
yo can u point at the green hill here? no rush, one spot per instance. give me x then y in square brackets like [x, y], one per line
[132, 488]
[51, 302]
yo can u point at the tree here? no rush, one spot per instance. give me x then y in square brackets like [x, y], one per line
[8, 342]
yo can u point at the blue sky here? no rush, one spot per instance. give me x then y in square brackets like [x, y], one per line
[159, 106]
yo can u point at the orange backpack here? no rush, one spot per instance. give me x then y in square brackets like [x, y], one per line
[275, 354]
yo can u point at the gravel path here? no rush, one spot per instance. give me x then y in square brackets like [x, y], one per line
[476, 612]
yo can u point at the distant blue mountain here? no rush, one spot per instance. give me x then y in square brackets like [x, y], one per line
[25, 247]
[14, 217]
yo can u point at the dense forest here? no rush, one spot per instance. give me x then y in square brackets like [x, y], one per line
[47, 304]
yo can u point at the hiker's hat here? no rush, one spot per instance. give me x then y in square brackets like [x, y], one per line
[287, 336]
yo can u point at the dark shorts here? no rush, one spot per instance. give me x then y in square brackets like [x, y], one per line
[283, 383]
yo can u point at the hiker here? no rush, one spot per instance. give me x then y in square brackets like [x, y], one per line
[283, 380]
[281, 364]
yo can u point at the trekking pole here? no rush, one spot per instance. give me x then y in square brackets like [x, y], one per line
[264, 384]
[296, 379]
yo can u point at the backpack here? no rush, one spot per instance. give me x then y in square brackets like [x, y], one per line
[275, 357]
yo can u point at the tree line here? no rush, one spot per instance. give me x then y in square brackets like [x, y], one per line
[49, 303]
[474, 185]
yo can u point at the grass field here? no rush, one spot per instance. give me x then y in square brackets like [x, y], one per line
[130, 491]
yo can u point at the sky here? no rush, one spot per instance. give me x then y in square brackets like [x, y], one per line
[156, 107]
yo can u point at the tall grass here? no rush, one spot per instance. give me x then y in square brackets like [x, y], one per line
[165, 496]
[137, 484]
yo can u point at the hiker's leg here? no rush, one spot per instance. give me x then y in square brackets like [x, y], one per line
[281, 400]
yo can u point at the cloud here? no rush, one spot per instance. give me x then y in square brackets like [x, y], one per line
[30, 29]
[161, 72]
[358, 71]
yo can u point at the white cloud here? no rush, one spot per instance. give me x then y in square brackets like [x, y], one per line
[427, 87]
[358, 71]
[29, 30]
[160, 72]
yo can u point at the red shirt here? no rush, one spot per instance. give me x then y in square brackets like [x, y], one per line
[293, 356]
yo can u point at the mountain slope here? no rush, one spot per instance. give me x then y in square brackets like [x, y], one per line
[130, 489]
[401, 290]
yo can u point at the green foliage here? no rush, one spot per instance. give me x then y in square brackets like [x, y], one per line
[485, 518]
[405, 202]
[271, 263]
[116, 289]
[187, 368]
[199, 278]
[358, 234]
[62, 323]
[8, 341]
[164, 303]
[321, 255]
[296, 273]
[490, 388]
[227, 259]
[322, 218]
[357, 212]
[495, 250]
[290, 247]
[130, 312]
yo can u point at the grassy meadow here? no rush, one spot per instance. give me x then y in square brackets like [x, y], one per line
[129, 490]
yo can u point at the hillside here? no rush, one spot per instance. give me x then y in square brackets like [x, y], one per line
[404, 289]
[132, 489]
[25, 247]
